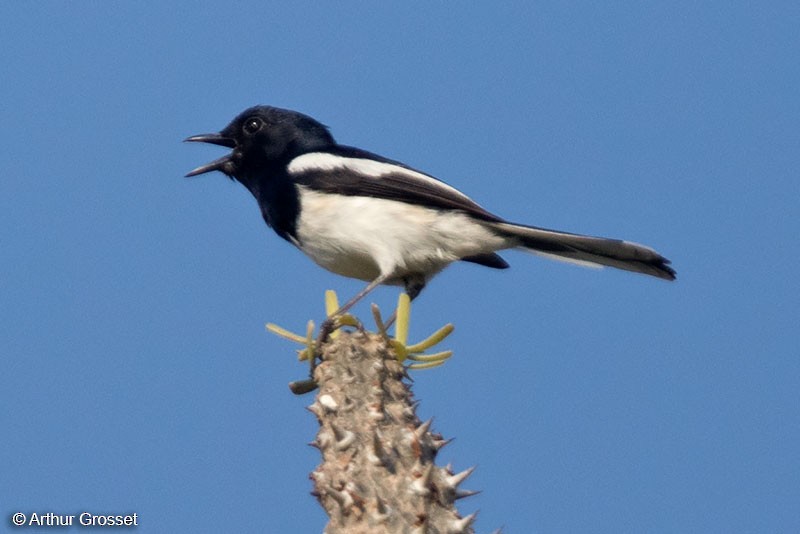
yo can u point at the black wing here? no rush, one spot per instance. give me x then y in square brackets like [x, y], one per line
[354, 172]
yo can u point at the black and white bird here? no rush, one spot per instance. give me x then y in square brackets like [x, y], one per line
[364, 216]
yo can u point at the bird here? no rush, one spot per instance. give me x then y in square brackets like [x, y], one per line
[364, 216]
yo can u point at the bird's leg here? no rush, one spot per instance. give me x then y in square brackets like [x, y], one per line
[413, 287]
[328, 324]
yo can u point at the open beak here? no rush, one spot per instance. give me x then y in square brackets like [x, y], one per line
[223, 164]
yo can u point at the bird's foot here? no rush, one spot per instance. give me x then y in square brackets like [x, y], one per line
[329, 329]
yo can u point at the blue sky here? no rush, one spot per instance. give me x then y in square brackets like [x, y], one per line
[136, 372]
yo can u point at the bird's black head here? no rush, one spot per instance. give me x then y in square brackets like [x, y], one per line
[262, 137]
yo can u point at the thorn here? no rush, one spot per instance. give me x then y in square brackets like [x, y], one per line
[458, 526]
[344, 438]
[415, 444]
[408, 413]
[323, 439]
[337, 432]
[376, 314]
[378, 454]
[346, 441]
[327, 402]
[375, 412]
[463, 494]
[315, 409]
[319, 479]
[423, 428]
[439, 443]
[342, 497]
[453, 481]
[420, 485]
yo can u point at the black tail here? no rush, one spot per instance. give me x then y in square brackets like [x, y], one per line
[589, 250]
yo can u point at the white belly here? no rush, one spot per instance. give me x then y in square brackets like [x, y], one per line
[362, 237]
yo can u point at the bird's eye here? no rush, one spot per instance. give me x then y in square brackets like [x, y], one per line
[252, 125]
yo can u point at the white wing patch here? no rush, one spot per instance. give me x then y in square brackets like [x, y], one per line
[323, 161]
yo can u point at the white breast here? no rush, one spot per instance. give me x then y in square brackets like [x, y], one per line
[363, 237]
